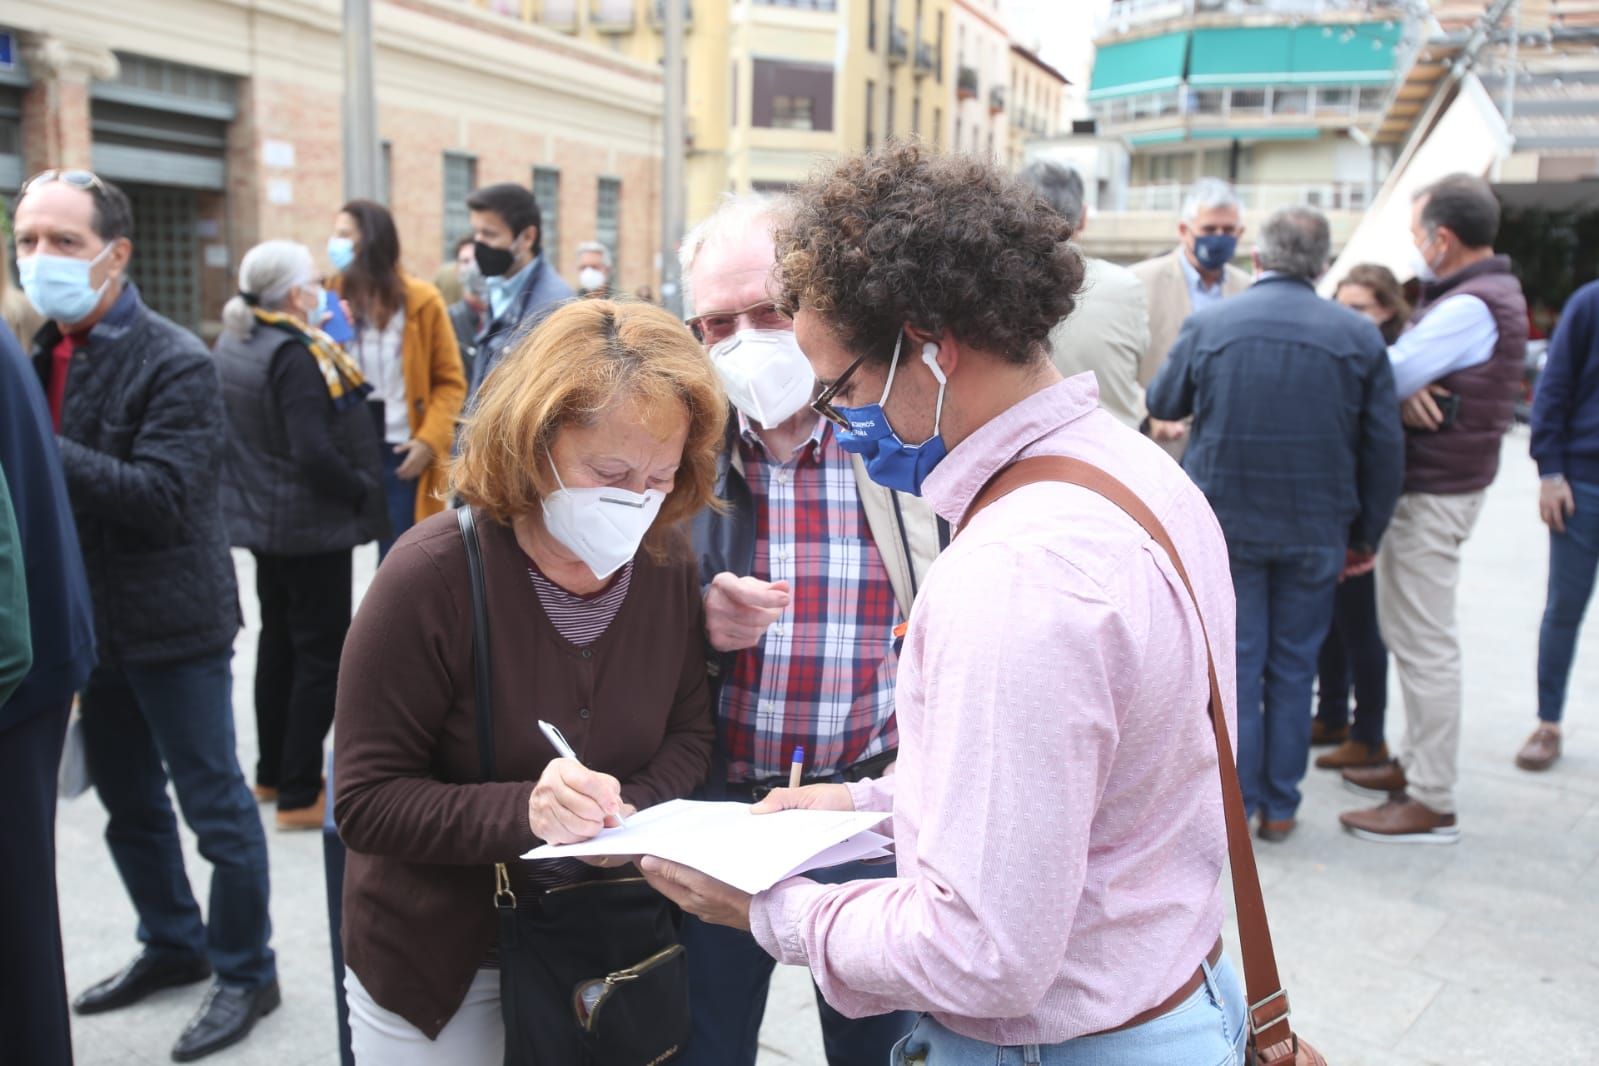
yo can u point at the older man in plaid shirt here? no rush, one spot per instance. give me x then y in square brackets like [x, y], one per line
[807, 573]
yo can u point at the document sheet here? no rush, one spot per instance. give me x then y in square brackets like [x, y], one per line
[724, 840]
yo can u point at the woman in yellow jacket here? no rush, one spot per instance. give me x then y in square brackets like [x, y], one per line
[407, 351]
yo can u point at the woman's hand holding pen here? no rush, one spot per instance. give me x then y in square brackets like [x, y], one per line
[572, 803]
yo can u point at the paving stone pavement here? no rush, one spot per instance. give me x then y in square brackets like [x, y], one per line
[1483, 953]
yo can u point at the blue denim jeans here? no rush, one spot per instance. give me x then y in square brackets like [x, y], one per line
[1573, 561]
[1285, 606]
[140, 724]
[729, 974]
[400, 496]
[1206, 1029]
[1353, 655]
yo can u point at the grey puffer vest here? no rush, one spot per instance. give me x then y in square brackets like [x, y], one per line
[269, 504]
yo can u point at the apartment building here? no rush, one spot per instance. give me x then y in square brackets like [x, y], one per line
[1037, 102]
[1280, 97]
[221, 119]
[982, 79]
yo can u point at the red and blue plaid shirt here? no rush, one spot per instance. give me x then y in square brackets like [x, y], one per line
[823, 675]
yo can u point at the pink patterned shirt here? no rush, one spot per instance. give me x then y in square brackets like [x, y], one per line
[1057, 805]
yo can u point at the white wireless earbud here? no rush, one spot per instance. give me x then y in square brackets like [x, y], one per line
[930, 357]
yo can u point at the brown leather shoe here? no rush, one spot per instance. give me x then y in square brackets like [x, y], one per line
[303, 817]
[1541, 749]
[1353, 753]
[265, 794]
[1379, 781]
[1275, 832]
[1321, 736]
[1402, 820]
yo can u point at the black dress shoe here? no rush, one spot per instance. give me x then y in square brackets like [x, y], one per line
[226, 1016]
[150, 971]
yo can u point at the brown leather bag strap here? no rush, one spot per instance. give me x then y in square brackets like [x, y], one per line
[1268, 1003]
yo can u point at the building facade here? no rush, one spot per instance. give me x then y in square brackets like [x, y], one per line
[221, 118]
[1281, 97]
[1037, 103]
[982, 80]
[774, 86]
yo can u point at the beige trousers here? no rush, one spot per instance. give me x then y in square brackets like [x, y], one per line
[1418, 571]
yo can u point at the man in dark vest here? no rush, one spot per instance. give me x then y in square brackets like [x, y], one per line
[1457, 370]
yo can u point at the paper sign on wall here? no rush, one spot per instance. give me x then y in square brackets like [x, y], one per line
[280, 191]
[278, 154]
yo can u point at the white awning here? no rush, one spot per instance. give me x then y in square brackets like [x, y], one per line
[1470, 137]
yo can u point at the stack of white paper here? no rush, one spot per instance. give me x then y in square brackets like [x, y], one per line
[724, 840]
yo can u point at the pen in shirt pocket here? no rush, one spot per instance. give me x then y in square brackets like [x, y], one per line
[553, 735]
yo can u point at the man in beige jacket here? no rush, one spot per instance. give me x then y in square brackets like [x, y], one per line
[1192, 276]
[1108, 332]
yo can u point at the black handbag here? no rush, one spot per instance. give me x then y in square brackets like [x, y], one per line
[591, 974]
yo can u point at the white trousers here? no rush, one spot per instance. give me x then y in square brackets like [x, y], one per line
[1418, 572]
[474, 1037]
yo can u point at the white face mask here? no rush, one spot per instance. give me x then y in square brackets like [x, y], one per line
[1419, 265]
[591, 278]
[602, 526]
[765, 373]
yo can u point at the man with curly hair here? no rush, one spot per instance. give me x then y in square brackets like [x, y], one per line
[1055, 804]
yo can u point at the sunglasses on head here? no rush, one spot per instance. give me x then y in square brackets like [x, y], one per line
[87, 180]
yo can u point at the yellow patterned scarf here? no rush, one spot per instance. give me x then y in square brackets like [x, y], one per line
[345, 384]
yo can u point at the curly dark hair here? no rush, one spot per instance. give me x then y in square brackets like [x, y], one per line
[940, 242]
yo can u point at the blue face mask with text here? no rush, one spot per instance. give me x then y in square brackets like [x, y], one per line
[890, 461]
[1215, 251]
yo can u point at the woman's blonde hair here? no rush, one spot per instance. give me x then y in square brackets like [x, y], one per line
[583, 358]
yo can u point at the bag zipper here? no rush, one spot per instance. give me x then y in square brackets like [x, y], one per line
[612, 980]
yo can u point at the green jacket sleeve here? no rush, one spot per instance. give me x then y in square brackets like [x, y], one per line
[16, 643]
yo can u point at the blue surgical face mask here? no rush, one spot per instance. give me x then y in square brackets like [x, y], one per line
[59, 286]
[341, 253]
[890, 461]
[1216, 250]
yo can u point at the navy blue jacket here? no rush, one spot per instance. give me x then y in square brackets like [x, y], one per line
[1565, 412]
[61, 615]
[1296, 438]
[543, 292]
[142, 433]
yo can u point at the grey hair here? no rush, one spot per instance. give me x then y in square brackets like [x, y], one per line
[269, 272]
[1207, 194]
[1297, 242]
[734, 216]
[1060, 186]
[596, 246]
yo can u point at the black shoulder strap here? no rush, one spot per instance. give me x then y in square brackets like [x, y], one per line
[481, 674]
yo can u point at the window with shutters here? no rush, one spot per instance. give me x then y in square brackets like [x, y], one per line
[460, 178]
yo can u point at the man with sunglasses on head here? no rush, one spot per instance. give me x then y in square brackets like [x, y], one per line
[138, 410]
[807, 573]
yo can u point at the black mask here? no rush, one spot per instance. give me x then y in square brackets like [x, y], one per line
[493, 262]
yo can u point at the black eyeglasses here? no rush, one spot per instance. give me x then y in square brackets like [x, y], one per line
[823, 404]
[87, 180]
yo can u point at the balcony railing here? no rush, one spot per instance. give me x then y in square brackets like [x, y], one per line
[996, 99]
[1328, 196]
[612, 16]
[925, 60]
[1125, 15]
[899, 46]
[966, 83]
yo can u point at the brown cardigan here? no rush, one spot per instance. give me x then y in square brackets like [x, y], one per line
[423, 832]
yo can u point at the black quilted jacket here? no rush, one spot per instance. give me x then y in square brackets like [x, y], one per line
[142, 433]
